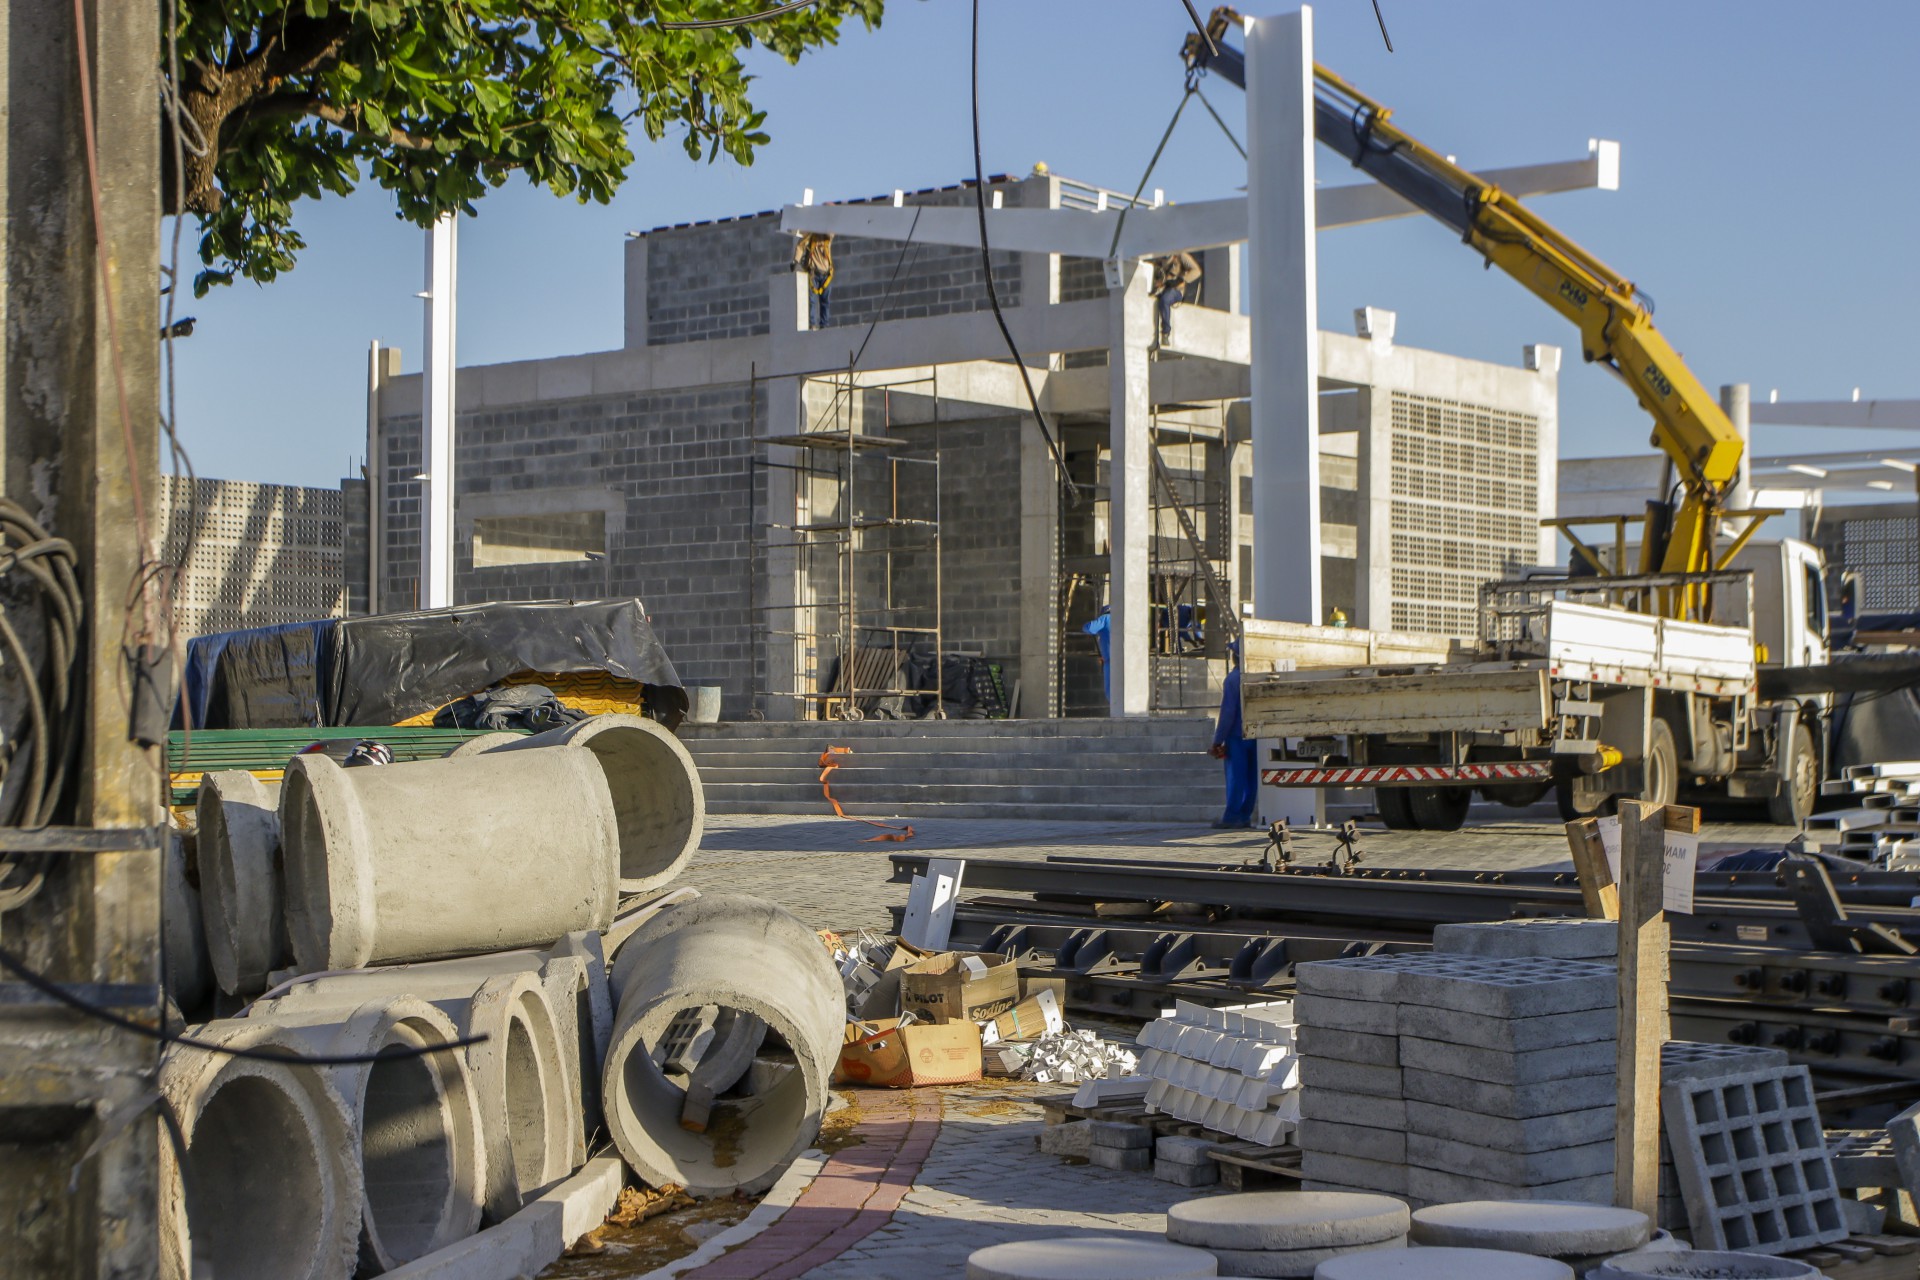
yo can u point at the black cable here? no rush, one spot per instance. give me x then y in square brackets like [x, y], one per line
[993, 295]
[893, 279]
[1222, 123]
[47, 987]
[704, 23]
[1201, 27]
[1382, 20]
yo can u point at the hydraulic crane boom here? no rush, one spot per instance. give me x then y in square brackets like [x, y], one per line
[1616, 327]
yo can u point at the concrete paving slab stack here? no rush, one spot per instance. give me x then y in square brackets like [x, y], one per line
[1233, 1070]
[752, 966]
[1443, 1264]
[1696, 1060]
[436, 858]
[1752, 1159]
[526, 1071]
[1118, 1145]
[1580, 1235]
[1447, 1077]
[1090, 1258]
[1287, 1233]
[1184, 1161]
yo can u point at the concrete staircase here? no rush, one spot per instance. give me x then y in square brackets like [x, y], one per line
[1148, 770]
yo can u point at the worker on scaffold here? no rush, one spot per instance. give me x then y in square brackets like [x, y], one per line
[1172, 276]
[813, 253]
[1242, 755]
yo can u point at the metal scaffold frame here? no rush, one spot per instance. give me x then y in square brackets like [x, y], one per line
[877, 626]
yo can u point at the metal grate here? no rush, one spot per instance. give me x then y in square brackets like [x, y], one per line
[262, 553]
[1464, 507]
[1882, 551]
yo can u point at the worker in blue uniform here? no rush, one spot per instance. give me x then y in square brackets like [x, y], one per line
[1241, 755]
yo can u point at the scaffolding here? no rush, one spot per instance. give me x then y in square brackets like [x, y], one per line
[866, 623]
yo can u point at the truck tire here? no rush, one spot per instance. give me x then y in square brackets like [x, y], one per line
[1792, 806]
[1439, 808]
[1392, 805]
[1569, 811]
[1662, 785]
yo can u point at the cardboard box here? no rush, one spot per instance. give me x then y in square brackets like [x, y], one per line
[959, 986]
[1032, 985]
[1037, 1016]
[894, 1057]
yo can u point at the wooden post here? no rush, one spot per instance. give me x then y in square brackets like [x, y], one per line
[1642, 1016]
[1597, 888]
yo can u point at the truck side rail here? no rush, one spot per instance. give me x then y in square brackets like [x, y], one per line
[1513, 612]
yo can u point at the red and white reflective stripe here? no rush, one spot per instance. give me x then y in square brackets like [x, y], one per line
[1369, 775]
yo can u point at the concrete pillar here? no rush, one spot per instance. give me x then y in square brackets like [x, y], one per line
[1128, 588]
[383, 365]
[1543, 358]
[436, 414]
[1280, 228]
[1737, 400]
[1039, 576]
[635, 309]
[1373, 515]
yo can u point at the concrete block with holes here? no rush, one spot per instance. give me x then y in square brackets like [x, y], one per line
[1752, 1160]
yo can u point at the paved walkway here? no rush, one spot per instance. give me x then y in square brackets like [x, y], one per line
[919, 1194]
[823, 871]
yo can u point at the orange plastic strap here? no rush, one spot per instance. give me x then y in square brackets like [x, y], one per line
[888, 831]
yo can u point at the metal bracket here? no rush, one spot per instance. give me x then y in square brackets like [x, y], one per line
[1825, 916]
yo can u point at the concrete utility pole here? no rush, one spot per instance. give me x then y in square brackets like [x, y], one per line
[1281, 227]
[78, 423]
[437, 378]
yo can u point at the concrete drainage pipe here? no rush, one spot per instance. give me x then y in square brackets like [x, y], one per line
[525, 1074]
[189, 975]
[656, 790]
[417, 1133]
[445, 857]
[754, 966]
[270, 1186]
[239, 858]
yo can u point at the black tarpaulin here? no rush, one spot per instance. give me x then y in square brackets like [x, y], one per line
[392, 667]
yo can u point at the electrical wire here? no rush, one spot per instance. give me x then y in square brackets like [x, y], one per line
[702, 24]
[53, 990]
[993, 295]
[53, 711]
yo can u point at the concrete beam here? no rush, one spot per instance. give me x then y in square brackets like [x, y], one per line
[1201, 224]
[1892, 415]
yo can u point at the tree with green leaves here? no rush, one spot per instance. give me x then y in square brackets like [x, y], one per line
[438, 100]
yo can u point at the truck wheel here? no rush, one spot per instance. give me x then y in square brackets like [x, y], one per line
[1663, 765]
[1439, 808]
[1792, 806]
[1569, 810]
[1392, 805]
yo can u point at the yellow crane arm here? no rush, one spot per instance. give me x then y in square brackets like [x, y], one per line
[1616, 328]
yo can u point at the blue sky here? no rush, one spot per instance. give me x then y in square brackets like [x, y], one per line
[1767, 201]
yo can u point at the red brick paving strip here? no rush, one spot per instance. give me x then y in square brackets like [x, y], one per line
[853, 1195]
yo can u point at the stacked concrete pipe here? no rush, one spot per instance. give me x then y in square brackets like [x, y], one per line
[188, 971]
[437, 858]
[270, 1185]
[757, 969]
[416, 1135]
[239, 860]
[527, 1071]
[661, 807]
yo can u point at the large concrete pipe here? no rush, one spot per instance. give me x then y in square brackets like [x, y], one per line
[749, 961]
[526, 1073]
[656, 792]
[417, 1132]
[239, 860]
[270, 1185]
[188, 973]
[447, 857]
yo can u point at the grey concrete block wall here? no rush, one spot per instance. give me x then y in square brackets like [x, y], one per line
[684, 463]
[709, 280]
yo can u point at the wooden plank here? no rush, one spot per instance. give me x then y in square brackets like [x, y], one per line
[1602, 896]
[1642, 1016]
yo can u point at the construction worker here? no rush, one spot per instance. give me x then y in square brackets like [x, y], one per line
[813, 253]
[1171, 276]
[1240, 754]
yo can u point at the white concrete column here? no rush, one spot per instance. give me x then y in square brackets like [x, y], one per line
[1543, 358]
[436, 417]
[1130, 330]
[1283, 276]
[1039, 574]
[1737, 400]
[783, 593]
[383, 364]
